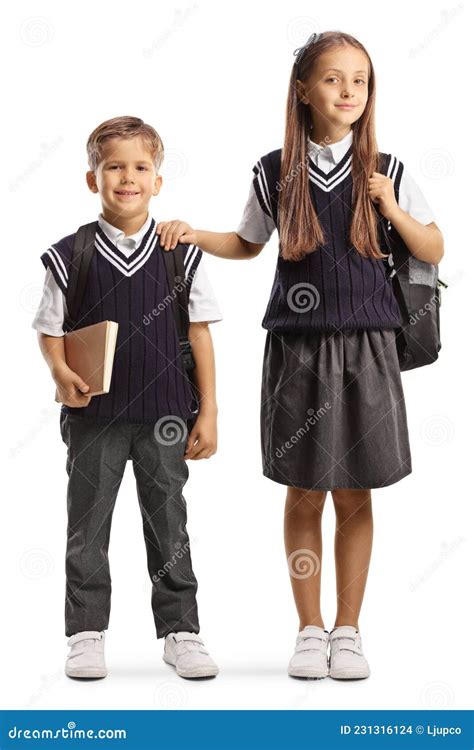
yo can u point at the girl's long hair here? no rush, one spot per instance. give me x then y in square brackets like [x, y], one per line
[300, 231]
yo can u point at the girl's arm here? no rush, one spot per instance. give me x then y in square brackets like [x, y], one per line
[424, 241]
[227, 245]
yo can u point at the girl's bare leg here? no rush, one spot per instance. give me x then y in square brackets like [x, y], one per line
[303, 543]
[352, 547]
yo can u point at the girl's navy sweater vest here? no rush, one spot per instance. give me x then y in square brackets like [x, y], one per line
[333, 287]
[148, 377]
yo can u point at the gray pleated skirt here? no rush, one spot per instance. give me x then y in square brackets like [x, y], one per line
[332, 410]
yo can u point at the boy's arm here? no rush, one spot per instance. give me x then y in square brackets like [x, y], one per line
[71, 388]
[202, 440]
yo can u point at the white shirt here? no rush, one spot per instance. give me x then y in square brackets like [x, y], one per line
[52, 309]
[256, 226]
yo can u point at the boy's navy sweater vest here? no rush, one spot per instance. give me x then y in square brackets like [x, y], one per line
[333, 287]
[148, 377]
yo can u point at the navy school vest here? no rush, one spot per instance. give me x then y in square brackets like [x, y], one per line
[333, 287]
[149, 380]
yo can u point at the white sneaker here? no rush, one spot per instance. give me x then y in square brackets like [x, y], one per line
[310, 658]
[86, 657]
[186, 652]
[346, 660]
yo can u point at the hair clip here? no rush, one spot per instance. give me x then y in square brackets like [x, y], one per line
[299, 52]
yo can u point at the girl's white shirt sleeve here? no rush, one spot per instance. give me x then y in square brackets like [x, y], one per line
[256, 226]
[52, 309]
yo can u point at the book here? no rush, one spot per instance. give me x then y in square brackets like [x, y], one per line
[89, 352]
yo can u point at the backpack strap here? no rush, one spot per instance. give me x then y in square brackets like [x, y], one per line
[178, 287]
[79, 269]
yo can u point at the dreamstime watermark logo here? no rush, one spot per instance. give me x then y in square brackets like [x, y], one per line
[446, 552]
[47, 151]
[46, 416]
[175, 164]
[437, 430]
[437, 163]
[36, 563]
[300, 28]
[170, 430]
[312, 419]
[47, 682]
[303, 563]
[170, 695]
[178, 287]
[181, 551]
[437, 695]
[303, 297]
[447, 16]
[294, 172]
[36, 31]
[180, 16]
[34, 298]
[422, 311]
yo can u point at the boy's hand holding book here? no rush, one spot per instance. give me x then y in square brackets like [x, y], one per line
[71, 389]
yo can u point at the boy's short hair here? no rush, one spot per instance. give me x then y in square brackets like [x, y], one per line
[123, 127]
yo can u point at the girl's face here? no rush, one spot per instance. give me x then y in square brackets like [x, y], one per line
[337, 89]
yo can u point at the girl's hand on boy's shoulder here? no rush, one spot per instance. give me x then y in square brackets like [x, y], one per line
[172, 232]
[382, 193]
[202, 440]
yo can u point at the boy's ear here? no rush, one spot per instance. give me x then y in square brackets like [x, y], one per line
[91, 182]
[158, 184]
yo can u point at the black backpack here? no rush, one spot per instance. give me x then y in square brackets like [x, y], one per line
[174, 262]
[417, 289]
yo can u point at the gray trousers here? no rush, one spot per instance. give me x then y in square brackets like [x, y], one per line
[96, 459]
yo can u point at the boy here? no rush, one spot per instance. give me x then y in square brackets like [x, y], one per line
[148, 412]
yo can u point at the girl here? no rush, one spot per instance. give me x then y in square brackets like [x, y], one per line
[332, 406]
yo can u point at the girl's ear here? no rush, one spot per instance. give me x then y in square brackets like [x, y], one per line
[301, 93]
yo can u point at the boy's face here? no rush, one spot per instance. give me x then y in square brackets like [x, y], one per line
[125, 178]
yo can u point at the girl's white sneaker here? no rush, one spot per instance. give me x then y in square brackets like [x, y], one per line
[86, 658]
[311, 653]
[186, 652]
[346, 659]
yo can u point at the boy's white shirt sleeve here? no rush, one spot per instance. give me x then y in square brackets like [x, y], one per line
[51, 312]
[255, 225]
[412, 200]
[203, 307]
[52, 309]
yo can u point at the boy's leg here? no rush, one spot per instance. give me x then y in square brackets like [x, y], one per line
[96, 460]
[161, 472]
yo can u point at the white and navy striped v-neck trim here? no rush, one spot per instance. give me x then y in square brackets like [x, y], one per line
[328, 181]
[131, 264]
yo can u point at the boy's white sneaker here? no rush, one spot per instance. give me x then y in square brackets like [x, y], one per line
[86, 658]
[310, 658]
[186, 652]
[346, 659]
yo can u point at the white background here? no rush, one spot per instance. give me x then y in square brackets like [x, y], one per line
[212, 78]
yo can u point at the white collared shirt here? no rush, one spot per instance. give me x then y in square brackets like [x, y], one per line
[256, 226]
[52, 309]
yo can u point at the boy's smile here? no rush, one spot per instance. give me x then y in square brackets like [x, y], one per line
[126, 180]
